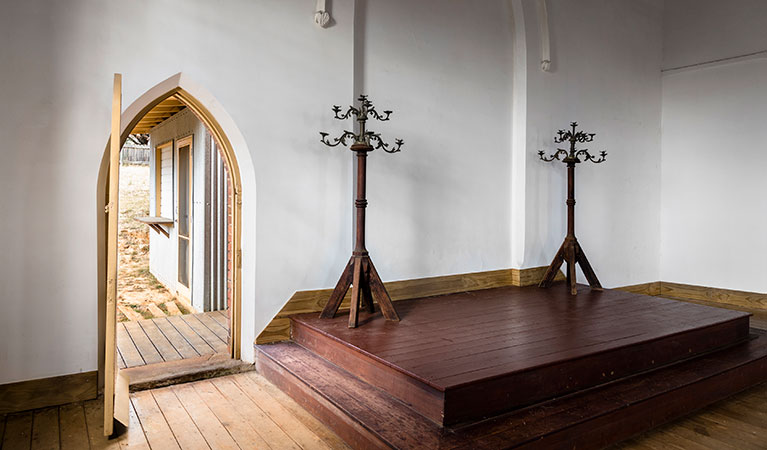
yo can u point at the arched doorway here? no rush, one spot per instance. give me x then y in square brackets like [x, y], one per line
[235, 153]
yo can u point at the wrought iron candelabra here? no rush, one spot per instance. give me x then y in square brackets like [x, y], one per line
[360, 273]
[571, 251]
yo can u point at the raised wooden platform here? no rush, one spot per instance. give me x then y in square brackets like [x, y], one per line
[466, 356]
[548, 360]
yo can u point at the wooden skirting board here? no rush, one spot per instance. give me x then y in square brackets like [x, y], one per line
[43, 392]
[652, 288]
[681, 291]
[301, 302]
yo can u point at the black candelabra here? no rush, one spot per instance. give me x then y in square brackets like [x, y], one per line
[571, 251]
[360, 273]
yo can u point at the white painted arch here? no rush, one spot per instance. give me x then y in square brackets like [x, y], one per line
[238, 158]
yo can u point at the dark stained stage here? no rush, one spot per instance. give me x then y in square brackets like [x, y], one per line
[509, 367]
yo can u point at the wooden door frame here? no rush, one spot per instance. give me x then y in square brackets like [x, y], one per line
[199, 104]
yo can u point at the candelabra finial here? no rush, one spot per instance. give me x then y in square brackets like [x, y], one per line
[363, 138]
[573, 156]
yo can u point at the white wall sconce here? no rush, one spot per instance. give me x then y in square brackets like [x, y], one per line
[321, 15]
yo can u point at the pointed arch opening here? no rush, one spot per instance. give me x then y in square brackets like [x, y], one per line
[236, 158]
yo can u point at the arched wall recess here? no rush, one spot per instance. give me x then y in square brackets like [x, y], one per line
[238, 159]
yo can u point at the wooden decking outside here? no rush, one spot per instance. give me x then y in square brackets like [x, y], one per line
[172, 338]
[238, 411]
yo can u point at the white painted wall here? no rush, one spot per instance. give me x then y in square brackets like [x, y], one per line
[606, 56]
[441, 205]
[713, 203]
[274, 71]
[696, 31]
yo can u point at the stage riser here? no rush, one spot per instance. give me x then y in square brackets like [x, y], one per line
[416, 394]
[496, 395]
[620, 424]
[345, 426]
[503, 394]
[368, 418]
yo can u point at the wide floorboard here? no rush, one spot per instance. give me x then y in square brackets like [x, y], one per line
[241, 411]
[739, 422]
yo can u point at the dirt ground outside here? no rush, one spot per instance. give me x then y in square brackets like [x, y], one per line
[139, 294]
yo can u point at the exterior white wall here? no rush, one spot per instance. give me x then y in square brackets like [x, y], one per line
[713, 203]
[163, 251]
[605, 75]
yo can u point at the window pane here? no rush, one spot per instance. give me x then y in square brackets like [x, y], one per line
[184, 191]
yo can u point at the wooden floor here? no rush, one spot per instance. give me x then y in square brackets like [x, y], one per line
[739, 422]
[171, 338]
[239, 411]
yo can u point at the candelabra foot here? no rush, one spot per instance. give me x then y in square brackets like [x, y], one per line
[360, 274]
[571, 253]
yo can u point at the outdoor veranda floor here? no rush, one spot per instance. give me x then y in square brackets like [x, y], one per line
[171, 338]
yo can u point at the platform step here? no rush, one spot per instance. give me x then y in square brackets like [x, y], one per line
[367, 417]
[463, 357]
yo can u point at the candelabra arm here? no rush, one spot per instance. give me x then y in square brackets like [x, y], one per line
[553, 156]
[379, 143]
[381, 117]
[336, 141]
[589, 157]
[349, 112]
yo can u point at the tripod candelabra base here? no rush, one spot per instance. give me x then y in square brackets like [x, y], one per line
[361, 275]
[571, 253]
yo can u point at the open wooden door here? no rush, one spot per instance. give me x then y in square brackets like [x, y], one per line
[115, 384]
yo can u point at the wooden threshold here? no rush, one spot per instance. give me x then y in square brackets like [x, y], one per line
[183, 371]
